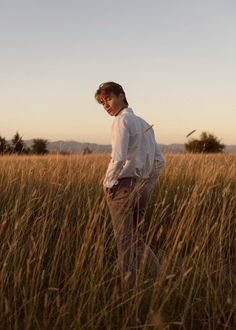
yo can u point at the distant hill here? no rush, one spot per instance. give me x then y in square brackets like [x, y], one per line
[230, 148]
[73, 146]
[77, 147]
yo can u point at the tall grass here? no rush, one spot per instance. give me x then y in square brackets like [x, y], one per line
[58, 252]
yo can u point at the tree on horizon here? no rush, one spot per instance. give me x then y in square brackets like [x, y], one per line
[18, 145]
[87, 151]
[39, 146]
[4, 145]
[208, 143]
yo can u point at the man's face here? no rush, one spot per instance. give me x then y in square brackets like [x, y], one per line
[112, 103]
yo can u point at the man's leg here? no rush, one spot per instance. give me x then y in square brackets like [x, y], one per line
[144, 253]
[120, 205]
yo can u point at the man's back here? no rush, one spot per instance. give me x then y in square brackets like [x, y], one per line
[139, 141]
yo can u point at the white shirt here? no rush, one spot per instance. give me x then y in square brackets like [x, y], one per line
[135, 152]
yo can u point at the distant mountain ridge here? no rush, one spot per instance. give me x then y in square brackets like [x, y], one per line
[77, 147]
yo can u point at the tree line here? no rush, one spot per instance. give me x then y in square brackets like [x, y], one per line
[207, 143]
[18, 146]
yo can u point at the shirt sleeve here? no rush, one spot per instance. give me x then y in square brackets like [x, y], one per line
[157, 166]
[158, 160]
[120, 142]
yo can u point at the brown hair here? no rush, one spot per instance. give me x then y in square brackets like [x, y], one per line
[107, 88]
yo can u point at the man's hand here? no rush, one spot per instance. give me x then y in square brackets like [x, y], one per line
[109, 192]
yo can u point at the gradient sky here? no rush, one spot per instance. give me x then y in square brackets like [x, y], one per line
[175, 59]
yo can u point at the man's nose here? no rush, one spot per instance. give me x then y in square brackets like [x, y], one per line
[106, 106]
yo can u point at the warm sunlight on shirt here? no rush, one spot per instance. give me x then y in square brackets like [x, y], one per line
[135, 152]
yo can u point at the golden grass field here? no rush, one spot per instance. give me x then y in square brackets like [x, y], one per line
[58, 253]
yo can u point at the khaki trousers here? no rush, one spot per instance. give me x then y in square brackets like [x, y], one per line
[127, 203]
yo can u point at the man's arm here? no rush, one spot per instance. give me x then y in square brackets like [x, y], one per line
[157, 166]
[120, 142]
[158, 160]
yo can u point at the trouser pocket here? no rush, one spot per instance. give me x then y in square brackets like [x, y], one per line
[120, 191]
[123, 190]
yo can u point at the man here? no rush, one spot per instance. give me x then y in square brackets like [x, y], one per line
[136, 161]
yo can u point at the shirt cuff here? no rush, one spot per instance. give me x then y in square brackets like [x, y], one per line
[110, 184]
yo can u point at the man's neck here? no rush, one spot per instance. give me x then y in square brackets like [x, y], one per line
[122, 108]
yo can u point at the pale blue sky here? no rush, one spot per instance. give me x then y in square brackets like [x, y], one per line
[175, 59]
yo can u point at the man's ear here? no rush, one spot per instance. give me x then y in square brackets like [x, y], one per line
[122, 96]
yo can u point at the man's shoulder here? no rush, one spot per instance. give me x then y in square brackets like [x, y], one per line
[143, 121]
[128, 119]
[131, 117]
[120, 121]
[125, 115]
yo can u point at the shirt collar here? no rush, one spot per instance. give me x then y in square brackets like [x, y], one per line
[125, 110]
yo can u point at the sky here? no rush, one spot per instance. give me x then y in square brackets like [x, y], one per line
[176, 61]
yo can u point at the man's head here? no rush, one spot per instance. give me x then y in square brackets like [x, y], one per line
[112, 96]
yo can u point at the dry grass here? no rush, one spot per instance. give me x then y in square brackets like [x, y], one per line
[58, 254]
